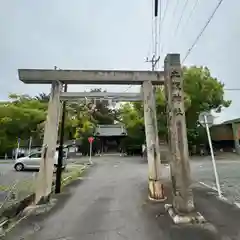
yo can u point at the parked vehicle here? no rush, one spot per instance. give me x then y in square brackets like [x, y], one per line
[32, 161]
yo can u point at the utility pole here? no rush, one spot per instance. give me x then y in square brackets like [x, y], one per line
[17, 150]
[30, 145]
[154, 60]
[60, 149]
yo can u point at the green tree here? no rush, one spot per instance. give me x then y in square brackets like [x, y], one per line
[205, 93]
[102, 112]
[202, 93]
[19, 118]
[131, 115]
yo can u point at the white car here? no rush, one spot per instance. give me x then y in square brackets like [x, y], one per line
[33, 160]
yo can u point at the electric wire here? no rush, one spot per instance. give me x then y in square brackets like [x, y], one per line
[176, 7]
[191, 13]
[231, 89]
[156, 36]
[162, 21]
[165, 11]
[181, 16]
[159, 33]
[156, 31]
[160, 25]
[130, 86]
[203, 30]
[170, 24]
[153, 26]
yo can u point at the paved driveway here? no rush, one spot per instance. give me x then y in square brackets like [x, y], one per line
[229, 176]
[110, 204]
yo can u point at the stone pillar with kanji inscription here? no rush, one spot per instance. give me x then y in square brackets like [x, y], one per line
[177, 136]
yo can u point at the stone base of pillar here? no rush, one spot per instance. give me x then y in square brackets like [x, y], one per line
[156, 191]
[193, 217]
[39, 209]
[43, 200]
[183, 206]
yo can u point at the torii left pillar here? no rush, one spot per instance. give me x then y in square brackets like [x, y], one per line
[44, 178]
[155, 187]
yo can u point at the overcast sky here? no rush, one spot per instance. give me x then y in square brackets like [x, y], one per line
[113, 34]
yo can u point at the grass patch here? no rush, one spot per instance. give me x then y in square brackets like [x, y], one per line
[72, 174]
[4, 188]
[8, 161]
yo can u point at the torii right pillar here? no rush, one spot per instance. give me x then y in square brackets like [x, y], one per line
[178, 144]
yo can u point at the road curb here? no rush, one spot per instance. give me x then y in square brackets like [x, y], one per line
[3, 225]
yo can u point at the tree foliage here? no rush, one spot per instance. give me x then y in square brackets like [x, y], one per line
[202, 93]
[24, 116]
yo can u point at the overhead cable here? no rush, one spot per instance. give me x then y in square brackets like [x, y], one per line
[192, 11]
[181, 16]
[202, 31]
[171, 21]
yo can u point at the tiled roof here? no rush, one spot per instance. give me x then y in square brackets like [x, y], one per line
[110, 130]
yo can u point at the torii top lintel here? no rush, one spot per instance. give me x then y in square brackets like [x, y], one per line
[46, 76]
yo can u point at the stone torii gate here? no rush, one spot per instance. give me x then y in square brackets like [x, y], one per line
[171, 78]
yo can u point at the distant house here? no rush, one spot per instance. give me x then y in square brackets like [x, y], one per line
[111, 130]
[227, 135]
[110, 136]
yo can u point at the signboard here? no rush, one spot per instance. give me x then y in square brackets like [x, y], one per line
[206, 118]
[90, 139]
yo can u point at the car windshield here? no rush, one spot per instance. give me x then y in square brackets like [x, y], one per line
[35, 155]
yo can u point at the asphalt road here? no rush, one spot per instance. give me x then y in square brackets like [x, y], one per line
[8, 175]
[201, 169]
[5, 167]
[229, 176]
[111, 204]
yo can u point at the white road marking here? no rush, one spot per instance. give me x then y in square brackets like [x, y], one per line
[208, 186]
[222, 198]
